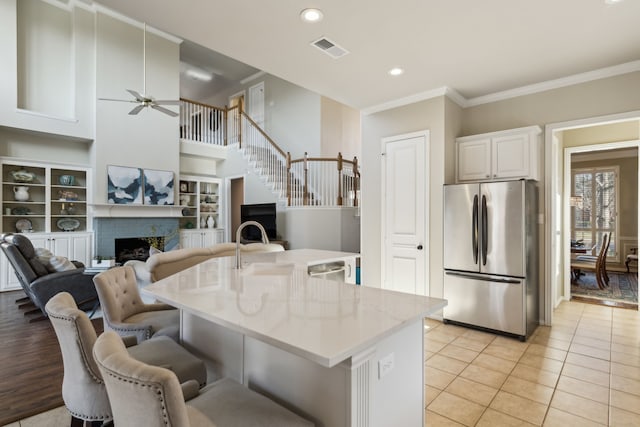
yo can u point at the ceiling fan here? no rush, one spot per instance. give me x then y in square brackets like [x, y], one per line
[143, 99]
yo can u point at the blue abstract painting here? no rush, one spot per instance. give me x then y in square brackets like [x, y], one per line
[158, 187]
[124, 185]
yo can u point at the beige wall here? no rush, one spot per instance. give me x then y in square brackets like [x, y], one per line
[340, 130]
[425, 115]
[596, 98]
[611, 132]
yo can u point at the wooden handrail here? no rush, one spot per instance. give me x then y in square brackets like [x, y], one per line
[297, 181]
[259, 129]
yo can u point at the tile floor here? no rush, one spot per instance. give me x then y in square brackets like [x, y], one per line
[583, 371]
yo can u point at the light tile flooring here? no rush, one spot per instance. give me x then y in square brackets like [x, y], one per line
[583, 371]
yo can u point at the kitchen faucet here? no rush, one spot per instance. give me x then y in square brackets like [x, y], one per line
[265, 239]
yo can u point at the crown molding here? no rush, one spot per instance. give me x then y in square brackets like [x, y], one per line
[463, 102]
[588, 76]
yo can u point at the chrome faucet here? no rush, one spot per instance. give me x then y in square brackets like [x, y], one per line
[265, 239]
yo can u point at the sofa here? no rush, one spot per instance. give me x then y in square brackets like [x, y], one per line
[164, 264]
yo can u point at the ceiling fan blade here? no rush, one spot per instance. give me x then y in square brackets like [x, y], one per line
[137, 94]
[117, 100]
[164, 110]
[136, 110]
[167, 102]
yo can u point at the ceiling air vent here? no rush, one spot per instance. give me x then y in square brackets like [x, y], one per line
[330, 48]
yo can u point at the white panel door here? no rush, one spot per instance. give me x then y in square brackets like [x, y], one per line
[255, 109]
[404, 213]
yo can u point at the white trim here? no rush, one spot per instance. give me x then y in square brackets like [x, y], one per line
[412, 99]
[588, 76]
[551, 158]
[252, 77]
[602, 73]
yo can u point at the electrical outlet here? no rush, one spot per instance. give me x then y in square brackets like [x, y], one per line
[385, 365]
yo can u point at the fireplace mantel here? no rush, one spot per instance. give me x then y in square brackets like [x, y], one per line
[109, 210]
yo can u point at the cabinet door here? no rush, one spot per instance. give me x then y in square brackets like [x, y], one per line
[8, 279]
[511, 156]
[209, 238]
[190, 239]
[474, 160]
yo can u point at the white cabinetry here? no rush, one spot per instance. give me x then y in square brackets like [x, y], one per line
[75, 246]
[509, 154]
[200, 238]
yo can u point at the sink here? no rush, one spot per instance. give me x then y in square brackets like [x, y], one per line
[268, 269]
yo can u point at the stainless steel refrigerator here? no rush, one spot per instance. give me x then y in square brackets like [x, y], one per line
[491, 256]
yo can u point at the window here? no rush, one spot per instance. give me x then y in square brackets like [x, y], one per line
[595, 211]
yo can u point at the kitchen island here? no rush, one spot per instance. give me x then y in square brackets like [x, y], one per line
[336, 353]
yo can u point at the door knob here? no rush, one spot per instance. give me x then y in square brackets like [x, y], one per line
[419, 247]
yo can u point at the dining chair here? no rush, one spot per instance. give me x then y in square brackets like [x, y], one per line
[124, 311]
[83, 390]
[141, 394]
[597, 264]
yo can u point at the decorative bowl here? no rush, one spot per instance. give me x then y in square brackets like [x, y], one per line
[23, 175]
[68, 224]
[67, 180]
[23, 225]
[68, 195]
[20, 210]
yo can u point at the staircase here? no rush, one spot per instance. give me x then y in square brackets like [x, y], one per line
[294, 182]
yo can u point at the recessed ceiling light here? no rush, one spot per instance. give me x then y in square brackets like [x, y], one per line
[396, 71]
[311, 15]
[612, 1]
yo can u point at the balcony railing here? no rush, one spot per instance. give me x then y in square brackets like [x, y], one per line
[309, 181]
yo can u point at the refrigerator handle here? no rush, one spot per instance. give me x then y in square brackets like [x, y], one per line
[474, 229]
[485, 230]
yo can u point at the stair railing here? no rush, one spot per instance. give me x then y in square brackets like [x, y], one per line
[309, 181]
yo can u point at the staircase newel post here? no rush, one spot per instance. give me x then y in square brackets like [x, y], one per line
[305, 197]
[240, 124]
[225, 126]
[288, 178]
[356, 184]
[339, 201]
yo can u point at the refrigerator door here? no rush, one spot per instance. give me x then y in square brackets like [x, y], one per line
[502, 228]
[492, 302]
[461, 215]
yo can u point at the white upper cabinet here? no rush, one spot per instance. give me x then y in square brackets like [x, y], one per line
[510, 154]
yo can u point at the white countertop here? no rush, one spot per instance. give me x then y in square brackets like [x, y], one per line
[274, 300]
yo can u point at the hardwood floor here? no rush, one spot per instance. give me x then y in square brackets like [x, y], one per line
[31, 367]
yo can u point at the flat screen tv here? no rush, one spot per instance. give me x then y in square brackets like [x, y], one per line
[263, 213]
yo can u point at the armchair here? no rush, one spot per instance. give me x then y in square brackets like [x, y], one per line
[124, 312]
[39, 283]
[83, 389]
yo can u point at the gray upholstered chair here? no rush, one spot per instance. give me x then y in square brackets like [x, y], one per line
[144, 395]
[39, 283]
[124, 311]
[83, 390]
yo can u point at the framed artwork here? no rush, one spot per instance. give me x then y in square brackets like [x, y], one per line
[184, 187]
[124, 185]
[158, 187]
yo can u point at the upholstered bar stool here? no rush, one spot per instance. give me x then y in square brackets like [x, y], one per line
[83, 389]
[144, 395]
[124, 311]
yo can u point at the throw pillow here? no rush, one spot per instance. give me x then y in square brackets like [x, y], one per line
[60, 263]
[44, 256]
[153, 251]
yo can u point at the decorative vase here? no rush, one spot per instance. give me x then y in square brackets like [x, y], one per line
[203, 222]
[21, 193]
[67, 180]
[210, 222]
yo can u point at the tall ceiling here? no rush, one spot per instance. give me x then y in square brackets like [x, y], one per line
[475, 47]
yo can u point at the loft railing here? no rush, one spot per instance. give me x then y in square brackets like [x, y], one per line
[310, 181]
